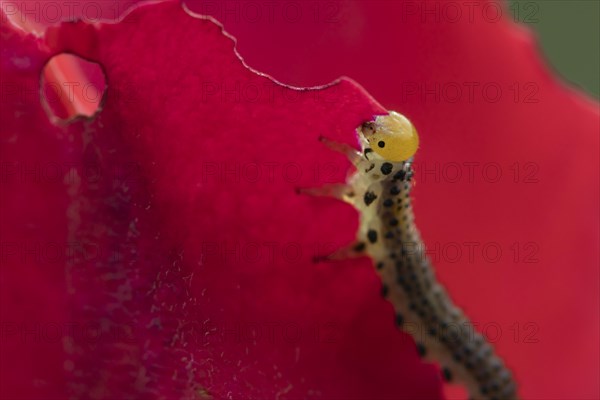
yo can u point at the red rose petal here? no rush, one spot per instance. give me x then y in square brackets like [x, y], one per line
[413, 57]
[185, 273]
[33, 229]
[36, 16]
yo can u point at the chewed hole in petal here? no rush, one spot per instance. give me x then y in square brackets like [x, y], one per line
[71, 87]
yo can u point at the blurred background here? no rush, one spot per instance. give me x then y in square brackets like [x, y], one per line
[569, 35]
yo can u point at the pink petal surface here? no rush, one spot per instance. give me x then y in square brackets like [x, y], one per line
[180, 272]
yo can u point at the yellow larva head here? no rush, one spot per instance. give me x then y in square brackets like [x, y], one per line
[391, 136]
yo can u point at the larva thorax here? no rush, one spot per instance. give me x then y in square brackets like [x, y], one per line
[380, 190]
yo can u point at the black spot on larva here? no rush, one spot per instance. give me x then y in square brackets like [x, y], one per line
[372, 236]
[393, 222]
[388, 203]
[367, 151]
[399, 176]
[421, 349]
[370, 168]
[386, 168]
[381, 144]
[358, 247]
[389, 235]
[379, 265]
[384, 290]
[399, 319]
[369, 197]
[446, 374]
[394, 191]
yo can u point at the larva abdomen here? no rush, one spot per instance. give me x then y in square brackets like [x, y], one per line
[440, 329]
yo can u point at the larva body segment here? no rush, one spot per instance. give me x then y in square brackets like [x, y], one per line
[381, 192]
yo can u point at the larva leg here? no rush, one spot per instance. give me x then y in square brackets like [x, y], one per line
[354, 250]
[340, 191]
[353, 155]
[345, 192]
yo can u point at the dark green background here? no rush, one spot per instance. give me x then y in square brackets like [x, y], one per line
[568, 33]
